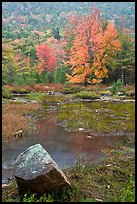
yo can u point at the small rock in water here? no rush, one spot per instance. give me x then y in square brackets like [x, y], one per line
[108, 165]
[80, 129]
[89, 136]
[10, 178]
[18, 134]
[120, 93]
[98, 199]
[33, 101]
[5, 167]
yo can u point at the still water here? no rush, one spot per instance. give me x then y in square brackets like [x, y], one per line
[65, 147]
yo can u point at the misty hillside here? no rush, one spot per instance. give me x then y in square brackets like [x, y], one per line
[46, 15]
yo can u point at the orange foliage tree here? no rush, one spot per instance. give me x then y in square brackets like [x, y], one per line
[93, 49]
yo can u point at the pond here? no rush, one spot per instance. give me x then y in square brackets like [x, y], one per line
[75, 130]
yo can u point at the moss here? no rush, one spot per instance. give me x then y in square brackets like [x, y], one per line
[55, 99]
[100, 117]
[35, 96]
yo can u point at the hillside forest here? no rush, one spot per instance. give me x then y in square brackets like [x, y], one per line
[68, 42]
[68, 92]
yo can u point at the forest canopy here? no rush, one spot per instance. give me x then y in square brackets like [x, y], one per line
[59, 42]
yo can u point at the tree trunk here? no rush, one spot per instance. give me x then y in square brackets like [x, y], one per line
[122, 77]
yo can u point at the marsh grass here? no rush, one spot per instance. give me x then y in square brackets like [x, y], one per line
[35, 96]
[12, 123]
[110, 180]
[10, 193]
[56, 99]
[72, 90]
[14, 118]
[100, 117]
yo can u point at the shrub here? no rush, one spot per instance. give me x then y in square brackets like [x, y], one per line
[6, 93]
[106, 93]
[39, 87]
[129, 90]
[34, 96]
[87, 95]
[116, 86]
[8, 86]
[130, 93]
[72, 90]
[20, 89]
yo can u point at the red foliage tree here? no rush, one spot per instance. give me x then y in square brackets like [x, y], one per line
[47, 58]
[57, 46]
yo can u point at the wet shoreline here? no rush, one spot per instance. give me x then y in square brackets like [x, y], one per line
[63, 144]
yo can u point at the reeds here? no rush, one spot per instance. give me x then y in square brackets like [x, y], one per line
[14, 119]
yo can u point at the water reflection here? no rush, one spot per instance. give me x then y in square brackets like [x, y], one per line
[65, 147]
